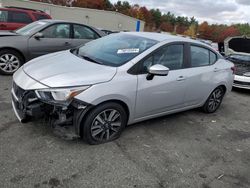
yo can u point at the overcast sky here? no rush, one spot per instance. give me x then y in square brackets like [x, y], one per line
[213, 11]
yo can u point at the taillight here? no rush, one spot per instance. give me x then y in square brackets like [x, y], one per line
[233, 69]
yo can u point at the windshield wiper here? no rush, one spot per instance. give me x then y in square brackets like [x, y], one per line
[90, 59]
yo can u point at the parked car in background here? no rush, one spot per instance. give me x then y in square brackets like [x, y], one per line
[237, 45]
[12, 18]
[124, 78]
[40, 38]
[242, 73]
[108, 32]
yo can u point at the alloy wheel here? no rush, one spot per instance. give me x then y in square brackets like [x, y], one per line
[9, 63]
[106, 125]
[215, 99]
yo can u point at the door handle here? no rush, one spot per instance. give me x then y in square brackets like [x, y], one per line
[181, 78]
[67, 43]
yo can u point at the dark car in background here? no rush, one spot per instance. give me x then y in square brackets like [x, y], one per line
[108, 32]
[12, 18]
[40, 38]
[242, 73]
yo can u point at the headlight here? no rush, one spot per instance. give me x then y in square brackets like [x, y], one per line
[61, 95]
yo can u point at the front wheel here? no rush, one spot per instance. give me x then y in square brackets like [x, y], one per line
[104, 123]
[10, 61]
[214, 100]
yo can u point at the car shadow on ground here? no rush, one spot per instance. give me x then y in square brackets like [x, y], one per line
[241, 91]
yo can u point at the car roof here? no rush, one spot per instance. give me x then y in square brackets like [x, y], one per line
[163, 37]
[22, 9]
[61, 21]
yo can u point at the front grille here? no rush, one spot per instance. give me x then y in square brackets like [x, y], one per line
[242, 83]
[242, 68]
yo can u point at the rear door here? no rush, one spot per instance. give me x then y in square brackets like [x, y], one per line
[202, 74]
[83, 34]
[56, 37]
[162, 93]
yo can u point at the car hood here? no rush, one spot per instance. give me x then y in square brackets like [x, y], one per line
[64, 69]
[8, 33]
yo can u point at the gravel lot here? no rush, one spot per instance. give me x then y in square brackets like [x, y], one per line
[189, 149]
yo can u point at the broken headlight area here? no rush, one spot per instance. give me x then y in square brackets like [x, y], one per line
[57, 106]
[60, 96]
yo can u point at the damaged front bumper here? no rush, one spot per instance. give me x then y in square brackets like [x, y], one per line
[27, 106]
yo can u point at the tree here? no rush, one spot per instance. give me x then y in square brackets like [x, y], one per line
[191, 31]
[204, 31]
[156, 21]
[167, 26]
[122, 7]
[228, 32]
[244, 29]
[156, 16]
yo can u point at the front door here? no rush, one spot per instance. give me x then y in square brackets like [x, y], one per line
[55, 38]
[162, 93]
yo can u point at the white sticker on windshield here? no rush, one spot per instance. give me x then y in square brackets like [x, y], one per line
[128, 51]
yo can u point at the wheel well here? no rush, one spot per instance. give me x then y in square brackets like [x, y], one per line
[123, 104]
[224, 87]
[14, 49]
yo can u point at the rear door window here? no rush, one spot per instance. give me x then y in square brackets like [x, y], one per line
[83, 32]
[3, 16]
[19, 17]
[199, 56]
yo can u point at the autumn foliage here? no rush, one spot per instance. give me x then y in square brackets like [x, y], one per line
[157, 21]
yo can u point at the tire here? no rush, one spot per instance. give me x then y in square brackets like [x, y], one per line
[214, 100]
[104, 123]
[10, 61]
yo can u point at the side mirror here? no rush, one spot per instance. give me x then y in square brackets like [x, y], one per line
[157, 70]
[38, 35]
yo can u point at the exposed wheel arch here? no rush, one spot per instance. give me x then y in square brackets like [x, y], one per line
[224, 87]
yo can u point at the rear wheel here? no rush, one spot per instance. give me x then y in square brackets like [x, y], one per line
[10, 61]
[214, 100]
[104, 123]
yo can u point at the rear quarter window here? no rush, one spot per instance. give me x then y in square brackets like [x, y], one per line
[40, 16]
[199, 56]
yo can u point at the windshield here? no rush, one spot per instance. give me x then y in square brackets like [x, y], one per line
[115, 49]
[29, 29]
[240, 57]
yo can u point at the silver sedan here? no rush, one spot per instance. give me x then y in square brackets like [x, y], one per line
[121, 79]
[40, 38]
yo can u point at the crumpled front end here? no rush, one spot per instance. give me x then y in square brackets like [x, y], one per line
[27, 105]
